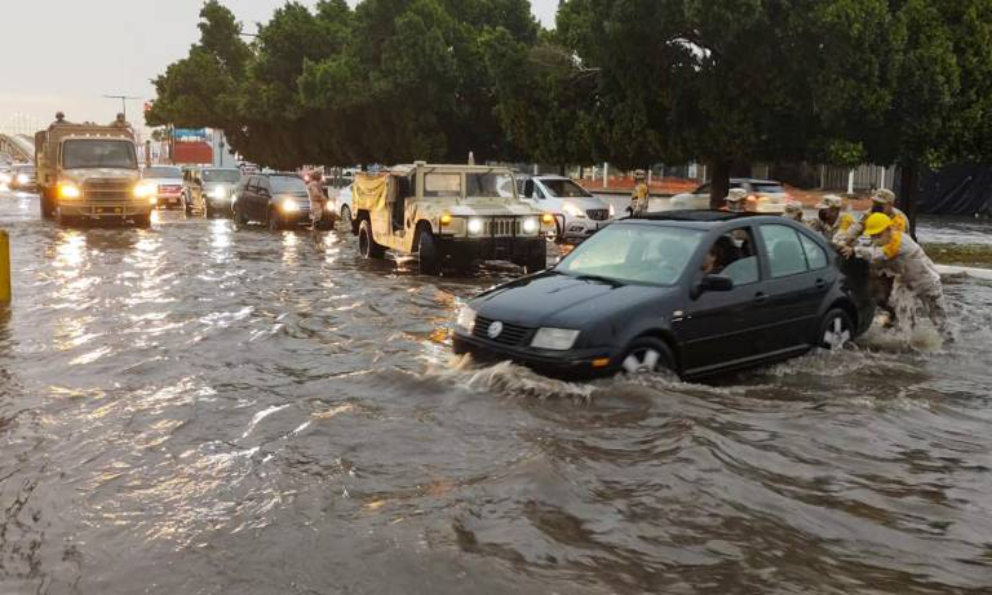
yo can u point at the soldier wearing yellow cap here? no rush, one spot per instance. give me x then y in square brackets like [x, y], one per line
[641, 194]
[883, 201]
[892, 251]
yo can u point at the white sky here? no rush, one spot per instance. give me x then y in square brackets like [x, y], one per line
[65, 54]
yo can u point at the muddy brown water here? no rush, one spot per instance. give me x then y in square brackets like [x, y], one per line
[198, 409]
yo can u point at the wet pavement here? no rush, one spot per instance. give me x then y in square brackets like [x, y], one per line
[198, 409]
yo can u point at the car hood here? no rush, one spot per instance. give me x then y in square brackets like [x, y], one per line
[586, 203]
[556, 299]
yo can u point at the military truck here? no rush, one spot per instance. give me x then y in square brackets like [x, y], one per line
[89, 172]
[449, 215]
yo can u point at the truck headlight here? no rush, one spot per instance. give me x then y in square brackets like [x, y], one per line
[289, 206]
[145, 190]
[531, 225]
[475, 226]
[4, 178]
[554, 339]
[22, 179]
[573, 211]
[466, 318]
[69, 191]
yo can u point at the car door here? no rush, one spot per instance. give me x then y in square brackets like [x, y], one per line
[799, 279]
[263, 198]
[723, 329]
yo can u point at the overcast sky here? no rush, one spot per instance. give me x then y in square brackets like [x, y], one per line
[65, 54]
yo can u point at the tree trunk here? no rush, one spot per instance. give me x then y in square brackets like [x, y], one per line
[720, 182]
[909, 195]
[561, 170]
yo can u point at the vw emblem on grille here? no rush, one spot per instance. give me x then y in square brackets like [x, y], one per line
[495, 329]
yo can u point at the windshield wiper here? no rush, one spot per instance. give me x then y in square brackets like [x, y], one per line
[600, 279]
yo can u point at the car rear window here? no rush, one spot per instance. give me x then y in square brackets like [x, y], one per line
[647, 254]
[768, 188]
[162, 173]
[287, 185]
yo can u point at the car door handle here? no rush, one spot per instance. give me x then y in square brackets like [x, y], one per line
[760, 298]
[821, 284]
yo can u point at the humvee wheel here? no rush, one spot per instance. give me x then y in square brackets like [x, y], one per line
[427, 251]
[47, 204]
[143, 221]
[366, 245]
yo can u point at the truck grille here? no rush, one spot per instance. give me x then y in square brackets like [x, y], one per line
[598, 214]
[99, 190]
[502, 227]
[512, 334]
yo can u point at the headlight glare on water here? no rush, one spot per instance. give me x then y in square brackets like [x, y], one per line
[554, 339]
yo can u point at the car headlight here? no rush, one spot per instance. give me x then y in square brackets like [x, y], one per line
[554, 339]
[289, 206]
[219, 193]
[4, 178]
[22, 179]
[466, 318]
[145, 190]
[531, 225]
[613, 211]
[476, 225]
[573, 211]
[69, 191]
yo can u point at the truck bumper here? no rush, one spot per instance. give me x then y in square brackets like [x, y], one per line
[508, 248]
[106, 211]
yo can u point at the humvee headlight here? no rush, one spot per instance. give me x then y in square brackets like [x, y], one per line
[531, 225]
[289, 206]
[23, 179]
[69, 191]
[475, 226]
[145, 190]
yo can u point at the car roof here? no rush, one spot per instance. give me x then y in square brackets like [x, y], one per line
[279, 174]
[753, 181]
[701, 219]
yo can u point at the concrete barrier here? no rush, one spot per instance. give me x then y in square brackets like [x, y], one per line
[978, 273]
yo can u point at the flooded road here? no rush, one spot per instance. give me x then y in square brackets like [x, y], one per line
[197, 409]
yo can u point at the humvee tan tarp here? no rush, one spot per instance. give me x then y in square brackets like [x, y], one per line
[371, 191]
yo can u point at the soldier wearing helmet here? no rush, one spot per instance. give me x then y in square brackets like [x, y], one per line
[793, 211]
[892, 251]
[736, 201]
[641, 195]
[884, 202]
[831, 218]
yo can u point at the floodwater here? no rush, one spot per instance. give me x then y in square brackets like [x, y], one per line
[201, 410]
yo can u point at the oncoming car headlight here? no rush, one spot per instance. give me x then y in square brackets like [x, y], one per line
[69, 191]
[23, 179]
[476, 226]
[554, 339]
[289, 206]
[531, 225]
[219, 193]
[466, 318]
[144, 190]
[573, 211]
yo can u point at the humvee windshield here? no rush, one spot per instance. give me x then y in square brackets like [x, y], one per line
[95, 153]
[491, 184]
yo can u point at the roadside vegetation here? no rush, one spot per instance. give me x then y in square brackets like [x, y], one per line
[632, 82]
[970, 255]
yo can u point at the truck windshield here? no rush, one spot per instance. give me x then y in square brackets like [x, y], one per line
[95, 153]
[565, 189]
[224, 176]
[488, 185]
[651, 255]
[162, 173]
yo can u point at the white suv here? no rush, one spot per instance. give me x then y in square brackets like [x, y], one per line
[583, 213]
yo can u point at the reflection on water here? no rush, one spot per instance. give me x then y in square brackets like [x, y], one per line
[195, 408]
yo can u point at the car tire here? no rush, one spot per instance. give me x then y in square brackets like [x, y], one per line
[273, 221]
[346, 215]
[366, 243]
[428, 254]
[836, 330]
[646, 355]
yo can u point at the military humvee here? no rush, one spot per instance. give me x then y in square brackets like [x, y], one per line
[90, 172]
[449, 215]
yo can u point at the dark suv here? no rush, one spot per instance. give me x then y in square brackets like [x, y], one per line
[279, 200]
[696, 292]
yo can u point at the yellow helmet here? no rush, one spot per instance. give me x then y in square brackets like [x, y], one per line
[877, 224]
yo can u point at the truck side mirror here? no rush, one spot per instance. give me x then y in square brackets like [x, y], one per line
[529, 188]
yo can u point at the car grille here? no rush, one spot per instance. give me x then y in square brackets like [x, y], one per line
[598, 214]
[502, 227]
[100, 190]
[511, 336]
[165, 189]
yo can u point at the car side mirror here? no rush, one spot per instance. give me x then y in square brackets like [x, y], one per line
[712, 283]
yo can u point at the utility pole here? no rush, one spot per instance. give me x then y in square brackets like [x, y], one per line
[124, 99]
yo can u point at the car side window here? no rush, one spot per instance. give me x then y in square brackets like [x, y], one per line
[733, 256]
[815, 255]
[704, 189]
[786, 256]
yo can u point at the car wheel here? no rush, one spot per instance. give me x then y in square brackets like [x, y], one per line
[346, 214]
[647, 356]
[274, 223]
[836, 330]
[366, 244]
[428, 254]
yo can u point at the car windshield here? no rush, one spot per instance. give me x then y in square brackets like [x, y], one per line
[24, 169]
[117, 154]
[224, 176]
[489, 185]
[648, 254]
[162, 173]
[565, 189]
[768, 188]
[287, 185]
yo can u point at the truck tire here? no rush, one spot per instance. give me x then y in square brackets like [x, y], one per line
[428, 253]
[366, 242]
[46, 204]
[63, 220]
[142, 221]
